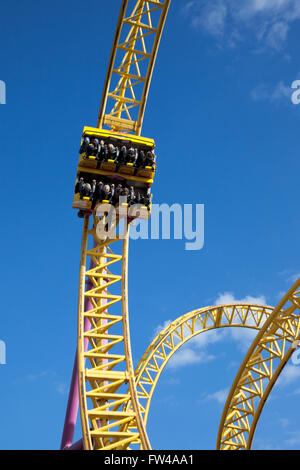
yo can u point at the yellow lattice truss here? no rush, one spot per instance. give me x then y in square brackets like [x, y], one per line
[131, 63]
[106, 376]
[169, 340]
[266, 358]
[115, 401]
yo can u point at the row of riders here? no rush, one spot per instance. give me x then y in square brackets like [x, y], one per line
[100, 191]
[139, 158]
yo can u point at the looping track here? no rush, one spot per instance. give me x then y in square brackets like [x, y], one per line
[131, 64]
[258, 373]
[115, 401]
[169, 340]
[103, 386]
[106, 382]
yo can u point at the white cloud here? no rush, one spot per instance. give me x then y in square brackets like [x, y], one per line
[244, 337]
[187, 356]
[161, 327]
[279, 92]
[268, 21]
[294, 439]
[61, 388]
[251, 8]
[229, 298]
[294, 277]
[202, 340]
[213, 18]
[289, 374]
[220, 396]
[49, 375]
[284, 422]
[276, 35]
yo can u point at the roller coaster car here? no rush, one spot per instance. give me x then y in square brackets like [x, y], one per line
[109, 171]
[118, 140]
[86, 201]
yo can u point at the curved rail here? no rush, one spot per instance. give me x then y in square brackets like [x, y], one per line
[262, 365]
[171, 338]
[106, 382]
[131, 64]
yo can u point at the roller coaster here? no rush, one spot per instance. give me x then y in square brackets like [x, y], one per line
[114, 399]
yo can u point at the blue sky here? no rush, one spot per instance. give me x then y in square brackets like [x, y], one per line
[227, 133]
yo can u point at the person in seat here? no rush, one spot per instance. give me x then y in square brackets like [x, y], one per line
[117, 193]
[79, 185]
[139, 198]
[140, 161]
[112, 152]
[97, 194]
[150, 159]
[102, 154]
[107, 193]
[126, 195]
[93, 189]
[86, 190]
[147, 198]
[93, 148]
[121, 160]
[84, 145]
[132, 197]
[131, 155]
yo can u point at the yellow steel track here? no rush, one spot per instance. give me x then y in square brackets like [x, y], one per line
[169, 340]
[131, 64]
[265, 360]
[115, 401]
[106, 377]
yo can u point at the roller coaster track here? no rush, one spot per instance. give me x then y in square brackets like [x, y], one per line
[262, 365]
[107, 384]
[131, 64]
[106, 376]
[114, 400]
[177, 333]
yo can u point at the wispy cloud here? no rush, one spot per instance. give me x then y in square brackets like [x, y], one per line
[278, 93]
[61, 388]
[188, 356]
[284, 422]
[289, 375]
[242, 336]
[220, 396]
[229, 298]
[294, 277]
[160, 328]
[210, 17]
[52, 377]
[267, 21]
[294, 438]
